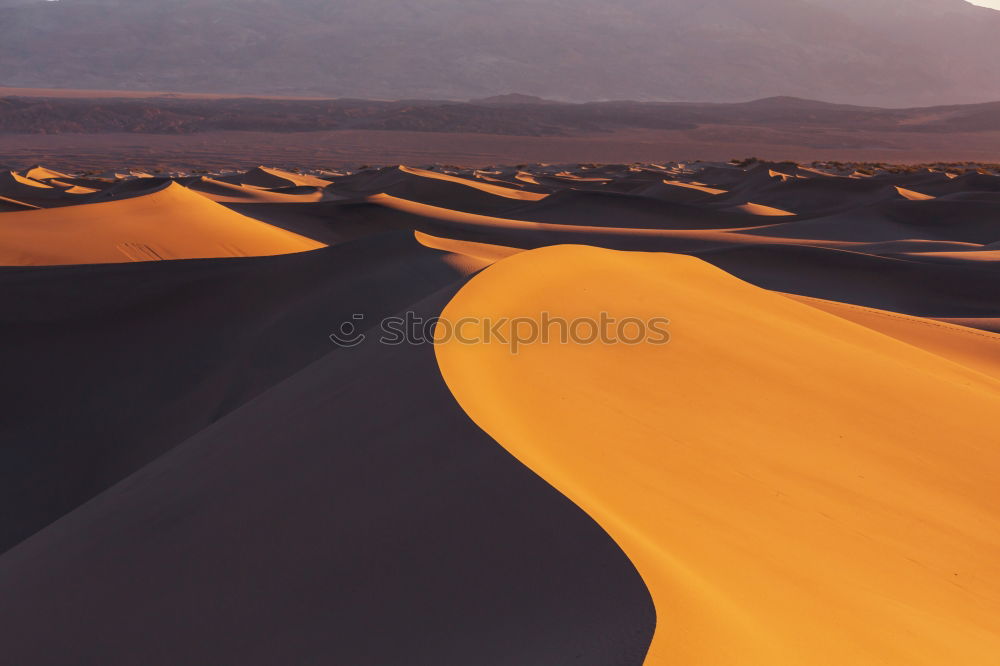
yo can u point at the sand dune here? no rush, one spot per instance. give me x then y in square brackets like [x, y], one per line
[973, 349]
[27, 190]
[160, 350]
[223, 192]
[8, 205]
[988, 258]
[433, 188]
[12, 179]
[925, 289]
[776, 515]
[275, 178]
[812, 196]
[482, 251]
[911, 195]
[712, 210]
[39, 172]
[804, 474]
[173, 223]
[604, 209]
[675, 191]
[983, 323]
[963, 221]
[352, 515]
[506, 192]
[758, 209]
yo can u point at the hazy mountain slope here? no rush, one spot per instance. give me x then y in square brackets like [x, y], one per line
[880, 52]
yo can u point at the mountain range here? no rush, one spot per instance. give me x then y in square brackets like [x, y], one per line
[514, 115]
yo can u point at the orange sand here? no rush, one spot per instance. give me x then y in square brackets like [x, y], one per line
[795, 488]
[173, 223]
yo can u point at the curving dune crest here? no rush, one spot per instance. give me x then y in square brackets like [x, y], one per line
[9, 205]
[497, 190]
[27, 190]
[474, 195]
[38, 172]
[265, 177]
[173, 223]
[223, 192]
[764, 211]
[794, 488]
[12, 179]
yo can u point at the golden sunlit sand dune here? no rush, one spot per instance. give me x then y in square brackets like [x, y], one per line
[39, 172]
[792, 486]
[974, 349]
[765, 211]
[913, 196]
[173, 223]
[13, 180]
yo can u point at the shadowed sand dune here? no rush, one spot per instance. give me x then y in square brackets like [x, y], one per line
[351, 515]
[440, 189]
[961, 221]
[605, 209]
[274, 178]
[127, 187]
[193, 472]
[812, 196]
[483, 251]
[793, 487]
[135, 358]
[38, 172]
[27, 190]
[328, 222]
[9, 205]
[927, 289]
[983, 258]
[223, 192]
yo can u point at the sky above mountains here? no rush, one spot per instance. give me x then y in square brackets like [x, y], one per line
[872, 52]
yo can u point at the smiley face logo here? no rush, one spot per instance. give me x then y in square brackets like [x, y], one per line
[349, 334]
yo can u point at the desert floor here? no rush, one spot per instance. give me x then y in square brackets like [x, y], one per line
[355, 148]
